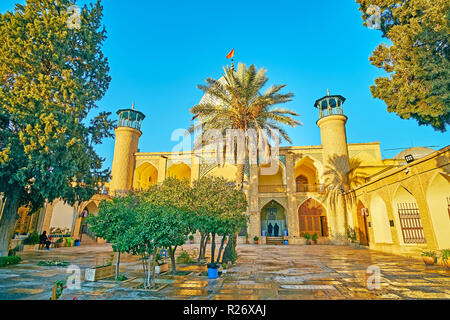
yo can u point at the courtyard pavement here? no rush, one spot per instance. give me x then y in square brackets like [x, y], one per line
[261, 272]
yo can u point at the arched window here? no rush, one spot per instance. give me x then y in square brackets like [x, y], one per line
[302, 183]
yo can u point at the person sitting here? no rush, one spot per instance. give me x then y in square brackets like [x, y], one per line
[44, 240]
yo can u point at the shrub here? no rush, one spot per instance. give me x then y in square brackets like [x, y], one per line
[445, 255]
[306, 235]
[314, 237]
[431, 254]
[185, 258]
[122, 277]
[191, 237]
[32, 239]
[60, 240]
[6, 261]
[351, 234]
[256, 238]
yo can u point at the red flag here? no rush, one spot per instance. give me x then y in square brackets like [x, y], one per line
[231, 54]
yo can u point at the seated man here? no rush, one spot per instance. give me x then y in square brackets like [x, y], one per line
[44, 240]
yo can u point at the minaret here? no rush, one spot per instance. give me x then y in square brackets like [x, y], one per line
[334, 143]
[126, 145]
[332, 126]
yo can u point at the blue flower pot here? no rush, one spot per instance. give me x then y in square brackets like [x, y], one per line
[285, 242]
[213, 273]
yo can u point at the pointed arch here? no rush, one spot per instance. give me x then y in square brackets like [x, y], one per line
[179, 171]
[438, 199]
[273, 219]
[273, 182]
[145, 176]
[407, 215]
[312, 216]
[311, 167]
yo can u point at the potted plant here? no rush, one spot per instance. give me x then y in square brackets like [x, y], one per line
[59, 243]
[429, 257]
[256, 239]
[107, 270]
[224, 268]
[161, 265]
[314, 238]
[246, 239]
[307, 237]
[445, 256]
[191, 239]
[213, 270]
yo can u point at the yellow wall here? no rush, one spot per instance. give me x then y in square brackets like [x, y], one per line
[438, 197]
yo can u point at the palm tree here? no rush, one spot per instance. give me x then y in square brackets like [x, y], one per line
[341, 177]
[235, 102]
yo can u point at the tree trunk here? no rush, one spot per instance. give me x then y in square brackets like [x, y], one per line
[227, 254]
[201, 253]
[221, 248]
[203, 244]
[213, 246]
[172, 258]
[7, 223]
[117, 264]
[240, 176]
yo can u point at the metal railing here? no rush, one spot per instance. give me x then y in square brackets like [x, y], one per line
[319, 188]
[272, 188]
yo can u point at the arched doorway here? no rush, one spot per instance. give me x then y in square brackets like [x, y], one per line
[273, 219]
[179, 171]
[380, 220]
[90, 209]
[363, 233]
[438, 198]
[145, 176]
[312, 218]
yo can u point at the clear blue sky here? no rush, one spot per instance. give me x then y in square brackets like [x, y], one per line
[160, 50]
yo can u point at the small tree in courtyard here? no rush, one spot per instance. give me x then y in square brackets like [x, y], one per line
[178, 194]
[113, 221]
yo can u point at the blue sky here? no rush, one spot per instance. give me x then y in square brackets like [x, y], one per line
[160, 50]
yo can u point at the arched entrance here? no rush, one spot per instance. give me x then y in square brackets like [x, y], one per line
[363, 233]
[273, 219]
[179, 171]
[90, 209]
[312, 218]
[438, 198]
[145, 176]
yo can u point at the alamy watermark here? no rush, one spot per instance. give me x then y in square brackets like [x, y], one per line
[74, 20]
[374, 21]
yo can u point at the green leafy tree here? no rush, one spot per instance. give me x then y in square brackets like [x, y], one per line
[113, 220]
[220, 210]
[152, 232]
[50, 79]
[417, 60]
[174, 193]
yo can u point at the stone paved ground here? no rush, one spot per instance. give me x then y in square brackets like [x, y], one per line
[262, 272]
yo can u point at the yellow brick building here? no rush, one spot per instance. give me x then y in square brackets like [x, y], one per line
[403, 206]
